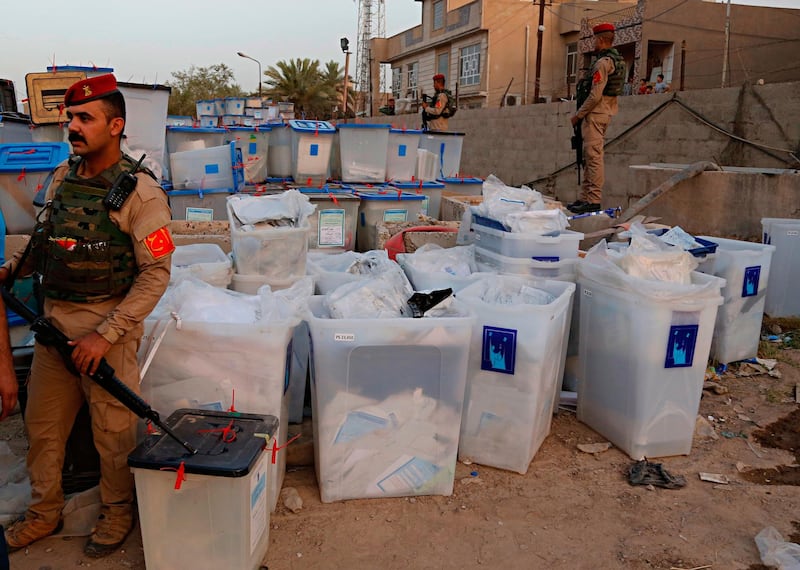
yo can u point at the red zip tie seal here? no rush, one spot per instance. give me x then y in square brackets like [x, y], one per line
[276, 448]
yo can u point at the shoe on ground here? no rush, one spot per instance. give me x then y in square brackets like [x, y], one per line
[28, 529]
[113, 526]
[581, 207]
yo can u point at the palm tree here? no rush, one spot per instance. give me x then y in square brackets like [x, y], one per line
[300, 81]
[333, 76]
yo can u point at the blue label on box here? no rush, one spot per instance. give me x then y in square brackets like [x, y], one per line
[680, 346]
[252, 148]
[752, 276]
[401, 150]
[555, 259]
[499, 351]
[212, 168]
[314, 150]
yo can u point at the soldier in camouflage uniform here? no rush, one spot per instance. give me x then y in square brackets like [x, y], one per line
[602, 87]
[103, 270]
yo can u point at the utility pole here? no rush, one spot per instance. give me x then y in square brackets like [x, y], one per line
[539, 36]
[726, 54]
[683, 63]
[346, 72]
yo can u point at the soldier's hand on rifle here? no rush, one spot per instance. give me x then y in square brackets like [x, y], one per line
[574, 120]
[87, 352]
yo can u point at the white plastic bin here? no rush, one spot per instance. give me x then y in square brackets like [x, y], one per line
[643, 360]
[401, 158]
[235, 105]
[311, 151]
[205, 107]
[250, 284]
[463, 186]
[24, 168]
[199, 205]
[279, 159]
[277, 253]
[384, 206]
[362, 149]
[447, 148]
[204, 261]
[336, 159]
[254, 144]
[222, 365]
[184, 138]
[220, 507]
[539, 247]
[209, 121]
[335, 222]
[745, 266]
[431, 192]
[329, 270]
[387, 397]
[423, 280]
[563, 270]
[205, 168]
[782, 297]
[516, 355]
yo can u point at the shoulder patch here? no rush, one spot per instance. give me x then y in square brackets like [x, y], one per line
[597, 77]
[159, 243]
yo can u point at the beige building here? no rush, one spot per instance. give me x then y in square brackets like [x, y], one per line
[487, 48]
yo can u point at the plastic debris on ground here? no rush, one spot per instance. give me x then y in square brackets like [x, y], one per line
[775, 551]
[288, 209]
[644, 472]
[458, 261]
[15, 488]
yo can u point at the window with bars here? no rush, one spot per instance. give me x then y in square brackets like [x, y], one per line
[397, 75]
[438, 15]
[413, 70]
[572, 62]
[470, 65]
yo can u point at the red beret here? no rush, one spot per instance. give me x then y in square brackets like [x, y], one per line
[604, 27]
[90, 89]
[438, 77]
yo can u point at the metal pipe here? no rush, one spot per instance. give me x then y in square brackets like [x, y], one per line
[539, 36]
[527, 58]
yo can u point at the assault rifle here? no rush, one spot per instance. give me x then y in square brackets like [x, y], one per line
[48, 335]
[582, 90]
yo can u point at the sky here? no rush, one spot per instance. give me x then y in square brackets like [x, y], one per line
[146, 40]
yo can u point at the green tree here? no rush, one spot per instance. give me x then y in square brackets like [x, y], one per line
[197, 83]
[315, 92]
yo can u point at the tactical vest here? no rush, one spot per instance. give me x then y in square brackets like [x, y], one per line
[616, 80]
[82, 255]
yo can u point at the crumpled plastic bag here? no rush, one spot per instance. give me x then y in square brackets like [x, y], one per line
[382, 296]
[537, 221]
[204, 261]
[290, 208]
[648, 257]
[196, 301]
[500, 199]
[776, 552]
[512, 290]
[604, 267]
[458, 261]
[367, 263]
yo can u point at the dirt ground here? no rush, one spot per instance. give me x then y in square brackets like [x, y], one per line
[572, 510]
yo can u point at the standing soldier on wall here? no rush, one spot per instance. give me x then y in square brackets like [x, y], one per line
[103, 250]
[442, 106]
[597, 103]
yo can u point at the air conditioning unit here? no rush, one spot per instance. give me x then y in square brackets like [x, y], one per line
[514, 100]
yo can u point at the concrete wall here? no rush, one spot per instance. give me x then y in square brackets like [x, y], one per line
[532, 143]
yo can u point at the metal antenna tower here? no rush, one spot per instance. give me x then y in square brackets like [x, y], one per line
[371, 24]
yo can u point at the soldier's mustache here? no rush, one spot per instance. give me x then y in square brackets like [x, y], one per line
[75, 137]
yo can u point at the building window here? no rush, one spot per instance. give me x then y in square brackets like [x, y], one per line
[397, 75]
[470, 65]
[413, 70]
[572, 63]
[443, 65]
[438, 15]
